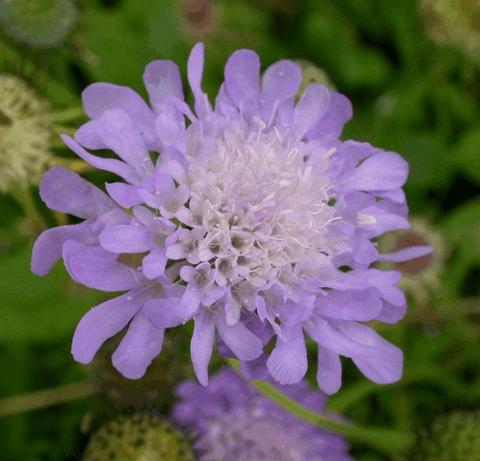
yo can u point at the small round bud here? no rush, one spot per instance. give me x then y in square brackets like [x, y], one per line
[313, 74]
[198, 16]
[152, 390]
[421, 276]
[41, 23]
[138, 437]
[452, 437]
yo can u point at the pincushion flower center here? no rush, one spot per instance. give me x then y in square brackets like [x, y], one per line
[261, 205]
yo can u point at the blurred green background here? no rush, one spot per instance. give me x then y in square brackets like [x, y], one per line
[411, 69]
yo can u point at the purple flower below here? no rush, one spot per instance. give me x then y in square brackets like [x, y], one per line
[250, 217]
[234, 423]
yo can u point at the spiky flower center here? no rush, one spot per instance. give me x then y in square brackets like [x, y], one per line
[262, 208]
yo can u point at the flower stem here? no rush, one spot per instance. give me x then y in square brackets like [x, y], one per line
[387, 441]
[66, 115]
[45, 398]
[64, 129]
[23, 197]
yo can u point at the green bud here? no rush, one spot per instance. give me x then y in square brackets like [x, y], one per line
[422, 277]
[153, 390]
[452, 437]
[139, 437]
[313, 74]
[41, 23]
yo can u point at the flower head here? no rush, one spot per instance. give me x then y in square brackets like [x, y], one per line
[138, 437]
[155, 387]
[234, 423]
[254, 220]
[25, 134]
[199, 17]
[453, 22]
[422, 277]
[42, 23]
[452, 437]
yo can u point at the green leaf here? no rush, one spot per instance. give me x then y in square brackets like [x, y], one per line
[38, 309]
[461, 229]
[463, 221]
[403, 24]
[334, 43]
[117, 44]
[428, 159]
[468, 154]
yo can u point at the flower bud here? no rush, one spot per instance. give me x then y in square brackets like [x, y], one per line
[152, 390]
[41, 23]
[421, 276]
[139, 437]
[452, 437]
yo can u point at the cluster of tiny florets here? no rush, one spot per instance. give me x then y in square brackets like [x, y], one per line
[231, 422]
[25, 134]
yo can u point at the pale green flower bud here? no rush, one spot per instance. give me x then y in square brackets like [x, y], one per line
[38, 22]
[152, 390]
[139, 437]
[313, 74]
[452, 437]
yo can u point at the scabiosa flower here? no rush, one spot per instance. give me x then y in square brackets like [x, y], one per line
[254, 220]
[232, 422]
[25, 134]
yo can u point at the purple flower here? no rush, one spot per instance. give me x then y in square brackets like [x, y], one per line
[250, 217]
[234, 423]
